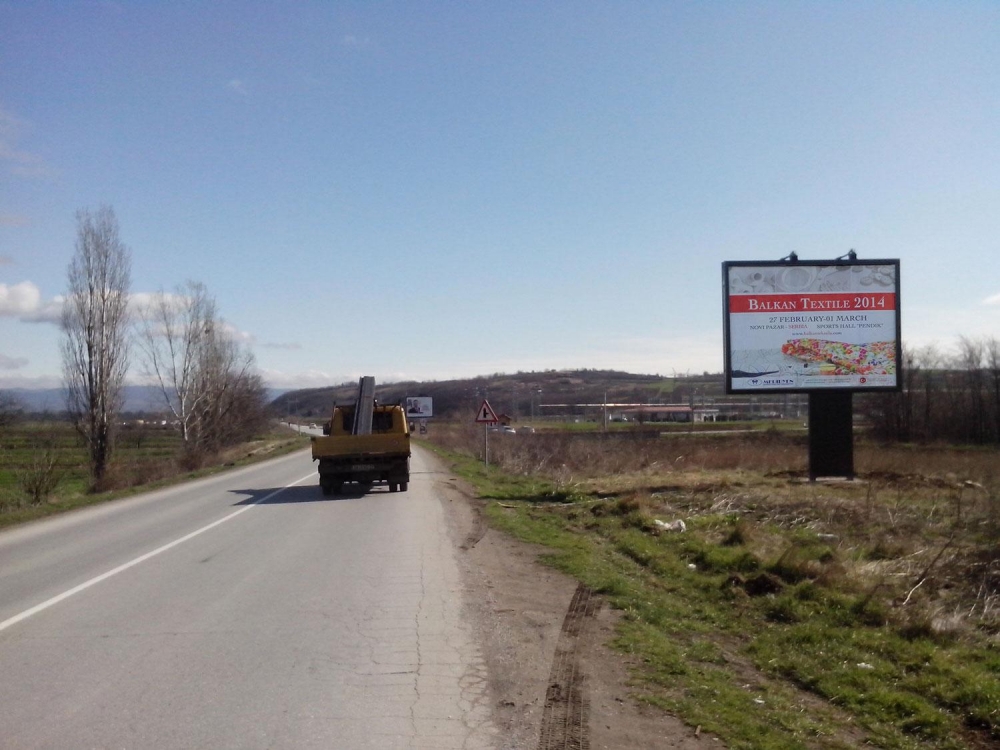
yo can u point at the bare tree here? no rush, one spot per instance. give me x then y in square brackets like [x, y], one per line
[10, 409]
[41, 472]
[173, 337]
[951, 397]
[993, 364]
[930, 362]
[235, 399]
[95, 324]
[207, 377]
[971, 359]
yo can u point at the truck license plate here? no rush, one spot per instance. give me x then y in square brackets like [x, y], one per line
[363, 467]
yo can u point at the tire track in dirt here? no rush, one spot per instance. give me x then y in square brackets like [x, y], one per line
[567, 708]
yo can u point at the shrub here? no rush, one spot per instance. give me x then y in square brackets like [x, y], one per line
[40, 473]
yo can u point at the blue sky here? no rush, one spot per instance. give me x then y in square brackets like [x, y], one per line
[435, 190]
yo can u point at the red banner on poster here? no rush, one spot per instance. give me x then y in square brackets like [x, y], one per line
[812, 302]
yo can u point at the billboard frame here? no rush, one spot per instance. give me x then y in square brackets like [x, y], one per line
[425, 407]
[792, 261]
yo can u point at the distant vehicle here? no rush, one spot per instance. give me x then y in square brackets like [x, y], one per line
[378, 454]
[525, 430]
[423, 428]
[312, 425]
[508, 430]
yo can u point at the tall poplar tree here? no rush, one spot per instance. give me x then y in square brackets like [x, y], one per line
[95, 325]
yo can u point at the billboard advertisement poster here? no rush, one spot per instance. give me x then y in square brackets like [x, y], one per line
[419, 407]
[811, 325]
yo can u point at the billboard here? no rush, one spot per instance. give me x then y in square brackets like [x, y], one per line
[811, 325]
[419, 407]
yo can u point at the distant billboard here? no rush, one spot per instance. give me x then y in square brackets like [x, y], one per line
[811, 325]
[419, 407]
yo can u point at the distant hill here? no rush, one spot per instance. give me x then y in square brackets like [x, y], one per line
[519, 395]
[551, 392]
[139, 399]
[39, 400]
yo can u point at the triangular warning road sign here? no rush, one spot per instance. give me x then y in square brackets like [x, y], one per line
[486, 413]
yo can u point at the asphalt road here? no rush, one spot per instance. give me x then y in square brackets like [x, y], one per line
[241, 611]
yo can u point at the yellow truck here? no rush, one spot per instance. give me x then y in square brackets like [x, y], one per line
[381, 453]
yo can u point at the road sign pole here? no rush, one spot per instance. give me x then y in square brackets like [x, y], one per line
[488, 417]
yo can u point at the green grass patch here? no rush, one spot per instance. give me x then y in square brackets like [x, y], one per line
[144, 460]
[753, 630]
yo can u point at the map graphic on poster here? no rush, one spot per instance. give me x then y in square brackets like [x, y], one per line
[809, 326]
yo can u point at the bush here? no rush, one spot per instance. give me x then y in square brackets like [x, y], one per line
[40, 474]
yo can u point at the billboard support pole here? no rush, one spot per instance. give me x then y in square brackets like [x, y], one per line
[831, 435]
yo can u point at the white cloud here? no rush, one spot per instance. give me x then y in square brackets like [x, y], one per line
[236, 334]
[140, 302]
[291, 347]
[994, 300]
[19, 299]
[47, 312]
[24, 301]
[12, 363]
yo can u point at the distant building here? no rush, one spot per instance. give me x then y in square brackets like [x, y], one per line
[669, 413]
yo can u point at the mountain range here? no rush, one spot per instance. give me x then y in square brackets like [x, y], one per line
[139, 399]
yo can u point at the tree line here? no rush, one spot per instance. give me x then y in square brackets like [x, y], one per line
[948, 397]
[205, 374]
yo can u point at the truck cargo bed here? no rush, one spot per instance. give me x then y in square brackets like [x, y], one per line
[335, 446]
[380, 454]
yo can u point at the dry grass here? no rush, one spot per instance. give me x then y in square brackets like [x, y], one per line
[920, 525]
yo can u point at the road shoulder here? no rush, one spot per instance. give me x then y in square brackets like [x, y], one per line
[554, 680]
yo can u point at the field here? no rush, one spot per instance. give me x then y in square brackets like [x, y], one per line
[43, 466]
[785, 614]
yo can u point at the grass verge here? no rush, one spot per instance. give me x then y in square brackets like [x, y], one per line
[786, 615]
[143, 462]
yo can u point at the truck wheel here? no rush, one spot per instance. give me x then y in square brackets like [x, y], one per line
[402, 486]
[337, 487]
[393, 487]
[327, 488]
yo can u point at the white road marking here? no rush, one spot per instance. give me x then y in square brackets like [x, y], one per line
[142, 558]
